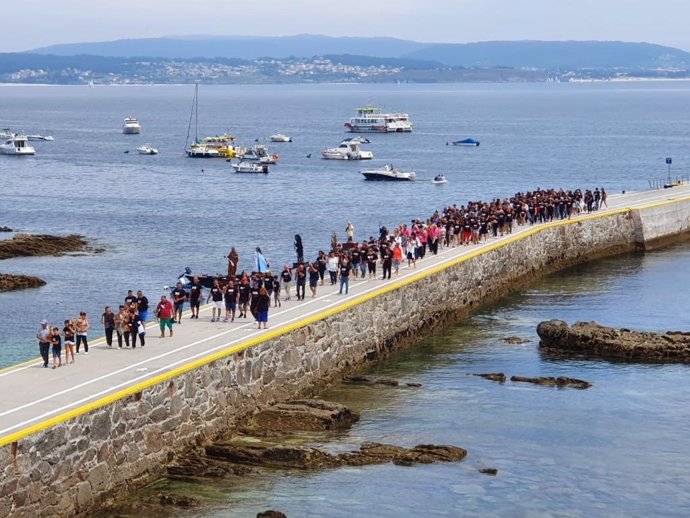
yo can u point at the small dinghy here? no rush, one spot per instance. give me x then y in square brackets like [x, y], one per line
[439, 179]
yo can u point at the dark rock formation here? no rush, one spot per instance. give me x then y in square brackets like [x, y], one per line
[366, 380]
[591, 339]
[19, 282]
[177, 500]
[195, 464]
[514, 340]
[303, 457]
[25, 245]
[550, 381]
[304, 415]
[6, 229]
[489, 471]
[493, 376]
[271, 514]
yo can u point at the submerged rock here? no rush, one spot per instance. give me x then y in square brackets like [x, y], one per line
[493, 376]
[304, 415]
[514, 340]
[177, 500]
[592, 339]
[19, 282]
[488, 471]
[271, 514]
[196, 464]
[367, 380]
[550, 381]
[6, 229]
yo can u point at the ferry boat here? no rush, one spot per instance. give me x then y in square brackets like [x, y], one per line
[131, 126]
[388, 173]
[17, 145]
[370, 119]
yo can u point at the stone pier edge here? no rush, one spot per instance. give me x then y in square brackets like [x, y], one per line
[274, 333]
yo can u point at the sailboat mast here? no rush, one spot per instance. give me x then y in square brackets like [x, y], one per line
[192, 112]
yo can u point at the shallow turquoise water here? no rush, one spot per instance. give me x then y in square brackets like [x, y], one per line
[616, 449]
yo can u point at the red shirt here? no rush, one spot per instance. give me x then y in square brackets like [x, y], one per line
[165, 309]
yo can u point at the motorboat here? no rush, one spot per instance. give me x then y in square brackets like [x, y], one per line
[131, 126]
[388, 173]
[349, 149]
[279, 137]
[16, 145]
[245, 166]
[439, 179]
[372, 119]
[202, 151]
[469, 142]
[147, 149]
[259, 153]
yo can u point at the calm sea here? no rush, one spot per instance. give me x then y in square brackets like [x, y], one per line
[618, 449]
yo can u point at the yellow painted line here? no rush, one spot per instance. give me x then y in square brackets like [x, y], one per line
[274, 333]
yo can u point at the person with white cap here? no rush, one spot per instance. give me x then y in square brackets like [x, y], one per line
[43, 337]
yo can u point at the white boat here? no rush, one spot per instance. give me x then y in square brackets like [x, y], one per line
[202, 151]
[388, 173]
[259, 153]
[246, 166]
[147, 149]
[131, 126]
[372, 119]
[349, 149]
[279, 137]
[16, 145]
[439, 179]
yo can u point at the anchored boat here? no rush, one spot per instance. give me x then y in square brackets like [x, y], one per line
[131, 126]
[17, 145]
[469, 142]
[349, 149]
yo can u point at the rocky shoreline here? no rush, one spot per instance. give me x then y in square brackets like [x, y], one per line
[27, 245]
[593, 340]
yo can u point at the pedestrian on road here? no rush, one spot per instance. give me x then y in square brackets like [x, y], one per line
[122, 325]
[262, 306]
[196, 291]
[44, 337]
[178, 295]
[68, 333]
[142, 306]
[216, 295]
[108, 321]
[300, 280]
[56, 342]
[82, 325]
[313, 279]
[344, 275]
[230, 295]
[276, 291]
[286, 277]
[164, 314]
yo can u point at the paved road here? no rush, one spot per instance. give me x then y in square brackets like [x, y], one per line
[31, 396]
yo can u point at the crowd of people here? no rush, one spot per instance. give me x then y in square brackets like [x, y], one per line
[236, 295]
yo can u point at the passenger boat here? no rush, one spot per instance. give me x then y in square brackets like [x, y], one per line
[372, 119]
[147, 149]
[17, 145]
[439, 179]
[349, 149]
[469, 142]
[246, 166]
[279, 137]
[388, 173]
[131, 126]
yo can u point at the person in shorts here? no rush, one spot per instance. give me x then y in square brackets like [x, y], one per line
[216, 295]
[230, 295]
[178, 296]
[56, 343]
[68, 333]
[195, 293]
[164, 314]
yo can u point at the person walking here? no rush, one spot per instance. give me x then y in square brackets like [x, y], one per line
[276, 291]
[230, 296]
[386, 262]
[244, 291]
[68, 333]
[313, 279]
[332, 267]
[262, 306]
[164, 314]
[286, 277]
[139, 329]
[122, 326]
[398, 257]
[344, 272]
[82, 325]
[108, 321]
[56, 343]
[142, 307]
[300, 281]
[216, 295]
[178, 296]
[44, 336]
[196, 291]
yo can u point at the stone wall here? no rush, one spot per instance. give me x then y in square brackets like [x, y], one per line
[77, 465]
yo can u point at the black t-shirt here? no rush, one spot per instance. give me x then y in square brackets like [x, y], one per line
[313, 274]
[276, 285]
[231, 294]
[178, 295]
[56, 340]
[243, 290]
[286, 276]
[387, 256]
[143, 303]
[344, 270]
[195, 291]
[129, 299]
[69, 334]
[216, 294]
[371, 257]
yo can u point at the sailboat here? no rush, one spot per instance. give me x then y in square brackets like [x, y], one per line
[197, 149]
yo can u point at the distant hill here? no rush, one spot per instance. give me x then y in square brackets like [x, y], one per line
[244, 47]
[547, 55]
[554, 55]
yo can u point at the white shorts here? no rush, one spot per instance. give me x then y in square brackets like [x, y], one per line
[217, 304]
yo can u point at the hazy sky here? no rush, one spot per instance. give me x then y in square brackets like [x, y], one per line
[44, 22]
